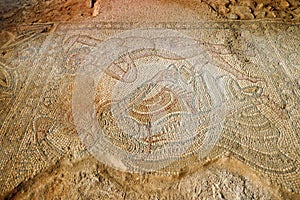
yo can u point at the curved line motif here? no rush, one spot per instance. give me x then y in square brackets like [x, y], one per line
[169, 137]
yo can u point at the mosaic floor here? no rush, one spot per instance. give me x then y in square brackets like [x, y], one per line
[152, 98]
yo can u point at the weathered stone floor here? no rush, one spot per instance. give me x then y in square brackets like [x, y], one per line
[164, 100]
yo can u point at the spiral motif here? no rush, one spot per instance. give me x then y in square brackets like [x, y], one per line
[138, 103]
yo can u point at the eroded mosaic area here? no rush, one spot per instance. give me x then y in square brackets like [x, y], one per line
[76, 177]
[153, 98]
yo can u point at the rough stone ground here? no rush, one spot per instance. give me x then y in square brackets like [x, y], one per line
[256, 9]
[77, 175]
[34, 11]
[85, 178]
